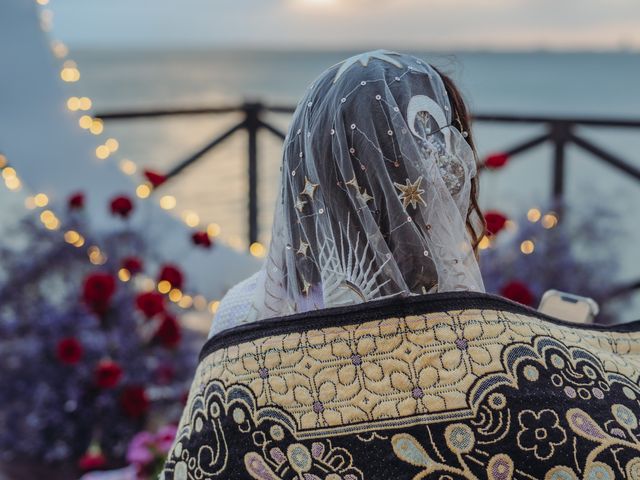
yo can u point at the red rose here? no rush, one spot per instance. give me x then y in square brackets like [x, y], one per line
[168, 333]
[165, 374]
[496, 160]
[134, 401]
[518, 292]
[108, 374]
[495, 222]
[92, 461]
[150, 303]
[201, 239]
[133, 264]
[155, 179]
[121, 206]
[171, 274]
[98, 291]
[69, 351]
[76, 201]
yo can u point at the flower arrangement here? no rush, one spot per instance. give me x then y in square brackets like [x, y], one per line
[90, 349]
[526, 256]
[148, 451]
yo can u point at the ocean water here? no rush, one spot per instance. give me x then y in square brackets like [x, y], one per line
[589, 84]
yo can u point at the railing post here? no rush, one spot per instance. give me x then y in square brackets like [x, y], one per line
[559, 136]
[252, 120]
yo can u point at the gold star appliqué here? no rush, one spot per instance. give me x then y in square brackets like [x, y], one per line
[362, 192]
[300, 204]
[309, 188]
[411, 193]
[302, 250]
[305, 286]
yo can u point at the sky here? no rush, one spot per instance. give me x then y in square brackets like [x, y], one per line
[350, 24]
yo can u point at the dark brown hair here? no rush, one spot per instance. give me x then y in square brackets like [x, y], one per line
[476, 225]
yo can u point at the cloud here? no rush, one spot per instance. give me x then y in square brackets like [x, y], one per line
[350, 23]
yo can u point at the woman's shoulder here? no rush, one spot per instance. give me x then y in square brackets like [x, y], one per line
[235, 306]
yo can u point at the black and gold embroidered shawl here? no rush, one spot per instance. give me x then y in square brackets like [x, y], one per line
[444, 386]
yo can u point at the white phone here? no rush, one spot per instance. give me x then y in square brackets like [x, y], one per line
[569, 307]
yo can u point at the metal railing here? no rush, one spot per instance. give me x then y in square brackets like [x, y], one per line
[559, 131]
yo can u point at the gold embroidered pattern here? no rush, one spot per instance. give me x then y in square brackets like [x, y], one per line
[394, 368]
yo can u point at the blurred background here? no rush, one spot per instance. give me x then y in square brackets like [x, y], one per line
[113, 151]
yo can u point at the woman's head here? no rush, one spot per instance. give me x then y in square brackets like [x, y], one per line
[378, 191]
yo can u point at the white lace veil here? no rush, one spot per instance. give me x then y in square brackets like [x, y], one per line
[375, 192]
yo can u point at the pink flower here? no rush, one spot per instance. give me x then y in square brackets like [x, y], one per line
[165, 437]
[140, 451]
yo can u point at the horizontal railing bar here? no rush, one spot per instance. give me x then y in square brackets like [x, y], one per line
[280, 109]
[167, 112]
[482, 117]
[586, 121]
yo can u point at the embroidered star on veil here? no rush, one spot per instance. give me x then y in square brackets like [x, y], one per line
[364, 59]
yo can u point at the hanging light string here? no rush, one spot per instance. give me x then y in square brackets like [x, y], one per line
[95, 255]
[70, 74]
[81, 106]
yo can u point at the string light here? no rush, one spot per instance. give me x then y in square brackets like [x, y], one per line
[527, 247]
[96, 256]
[199, 302]
[213, 306]
[59, 49]
[85, 122]
[484, 243]
[40, 200]
[46, 20]
[164, 286]
[533, 215]
[168, 202]
[49, 220]
[128, 167]
[175, 295]
[97, 126]
[550, 220]
[71, 236]
[112, 144]
[73, 104]
[103, 152]
[70, 72]
[257, 249]
[143, 190]
[8, 172]
[213, 229]
[146, 283]
[191, 218]
[29, 203]
[186, 301]
[124, 275]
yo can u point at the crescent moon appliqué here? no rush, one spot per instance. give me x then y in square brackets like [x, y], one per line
[422, 103]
